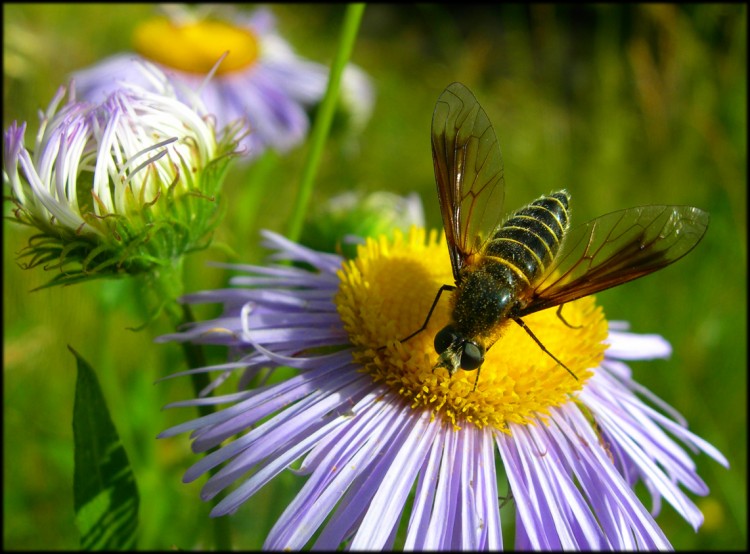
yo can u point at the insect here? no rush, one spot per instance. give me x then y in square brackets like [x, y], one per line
[532, 261]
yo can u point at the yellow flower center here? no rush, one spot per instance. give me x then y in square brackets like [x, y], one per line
[196, 46]
[385, 295]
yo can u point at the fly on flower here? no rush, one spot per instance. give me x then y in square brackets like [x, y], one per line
[532, 261]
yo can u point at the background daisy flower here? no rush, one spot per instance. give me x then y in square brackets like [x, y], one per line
[389, 443]
[261, 79]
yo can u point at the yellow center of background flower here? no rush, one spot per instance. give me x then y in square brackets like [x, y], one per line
[385, 295]
[195, 47]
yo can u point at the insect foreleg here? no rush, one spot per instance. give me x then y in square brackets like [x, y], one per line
[476, 380]
[429, 314]
[550, 354]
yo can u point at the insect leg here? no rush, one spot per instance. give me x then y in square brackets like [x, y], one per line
[429, 314]
[550, 354]
[505, 499]
[561, 318]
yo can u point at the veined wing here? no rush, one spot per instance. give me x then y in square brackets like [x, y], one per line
[468, 172]
[617, 248]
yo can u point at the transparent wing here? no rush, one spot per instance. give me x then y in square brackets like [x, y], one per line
[468, 172]
[617, 248]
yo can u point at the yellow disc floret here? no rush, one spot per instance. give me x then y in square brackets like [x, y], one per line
[385, 295]
[195, 47]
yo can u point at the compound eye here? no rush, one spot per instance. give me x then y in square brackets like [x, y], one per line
[444, 338]
[472, 357]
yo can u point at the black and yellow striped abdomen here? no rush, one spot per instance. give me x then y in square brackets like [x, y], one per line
[509, 262]
[529, 240]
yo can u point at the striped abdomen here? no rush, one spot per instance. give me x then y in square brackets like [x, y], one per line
[528, 241]
[490, 290]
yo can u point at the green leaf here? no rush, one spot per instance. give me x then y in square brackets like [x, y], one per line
[104, 489]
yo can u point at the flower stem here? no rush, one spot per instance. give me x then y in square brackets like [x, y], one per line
[322, 124]
[168, 286]
[196, 358]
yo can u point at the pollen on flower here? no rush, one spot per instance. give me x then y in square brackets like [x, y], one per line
[195, 47]
[385, 295]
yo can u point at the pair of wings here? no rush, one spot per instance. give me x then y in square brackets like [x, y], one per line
[603, 253]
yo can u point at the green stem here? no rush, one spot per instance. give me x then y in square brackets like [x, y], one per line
[196, 358]
[322, 124]
[167, 286]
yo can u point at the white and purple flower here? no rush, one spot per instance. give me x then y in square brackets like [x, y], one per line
[382, 437]
[122, 184]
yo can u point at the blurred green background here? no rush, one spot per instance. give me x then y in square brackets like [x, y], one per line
[622, 105]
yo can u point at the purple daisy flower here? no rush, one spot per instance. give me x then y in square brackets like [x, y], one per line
[382, 437]
[261, 80]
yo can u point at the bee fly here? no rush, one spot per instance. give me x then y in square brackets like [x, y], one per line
[532, 261]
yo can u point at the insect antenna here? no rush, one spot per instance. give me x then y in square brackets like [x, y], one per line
[544, 348]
